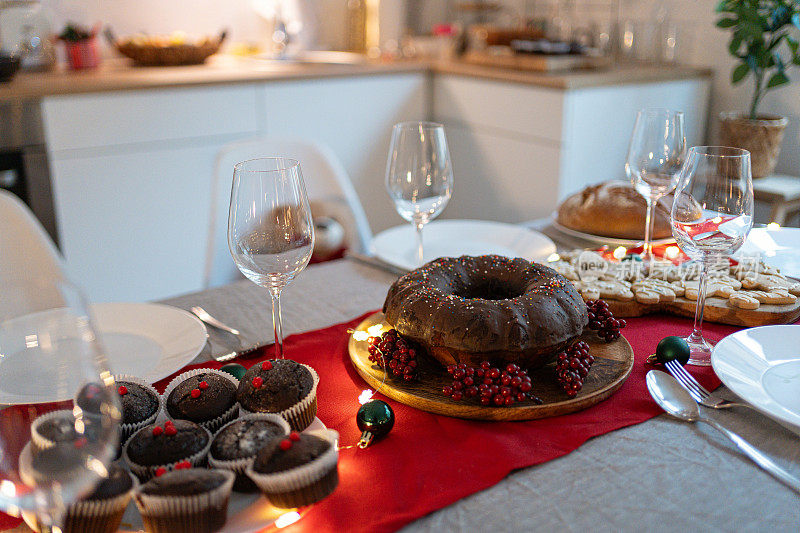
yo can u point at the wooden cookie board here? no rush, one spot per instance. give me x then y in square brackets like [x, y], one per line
[536, 62]
[612, 366]
[717, 310]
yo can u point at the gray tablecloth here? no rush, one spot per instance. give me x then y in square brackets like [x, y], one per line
[662, 475]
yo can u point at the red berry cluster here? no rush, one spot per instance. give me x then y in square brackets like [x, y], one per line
[492, 385]
[394, 354]
[183, 465]
[601, 319]
[285, 444]
[572, 367]
[168, 429]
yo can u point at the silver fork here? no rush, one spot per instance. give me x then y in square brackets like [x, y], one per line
[697, 391]
[203, 315]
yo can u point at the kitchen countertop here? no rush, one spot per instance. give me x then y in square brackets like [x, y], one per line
[116, 75]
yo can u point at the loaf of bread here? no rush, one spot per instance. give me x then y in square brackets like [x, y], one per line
[613, 209]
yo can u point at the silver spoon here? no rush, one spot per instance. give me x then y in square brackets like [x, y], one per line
[674, 399]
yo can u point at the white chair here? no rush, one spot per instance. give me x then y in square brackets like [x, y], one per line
[329, 188]
[26, 251]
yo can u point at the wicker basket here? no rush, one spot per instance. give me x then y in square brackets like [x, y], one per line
[167, 54]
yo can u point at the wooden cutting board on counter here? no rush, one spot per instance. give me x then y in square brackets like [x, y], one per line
[717, 310]
[612, 365]
[536, 62]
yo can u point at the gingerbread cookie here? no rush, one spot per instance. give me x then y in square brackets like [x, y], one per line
[608, 289]
[714, 287]
[769, 282]
[774, 297]
[653, 291]
[743, 300]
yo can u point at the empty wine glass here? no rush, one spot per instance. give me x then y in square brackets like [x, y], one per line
[655, 157]
[59, 411]
[270, 231]
[419, 177]
[711, 216]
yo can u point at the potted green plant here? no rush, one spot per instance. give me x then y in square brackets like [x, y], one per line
[764, 40]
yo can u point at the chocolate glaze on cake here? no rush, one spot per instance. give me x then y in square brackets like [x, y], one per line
[212, 402]
[282, 386]
[471, 309]
[147, 449]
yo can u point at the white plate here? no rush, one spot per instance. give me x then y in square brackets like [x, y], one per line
[778, 247]
[453, 238]
[149, 341]
[599, 239]
[762, 366]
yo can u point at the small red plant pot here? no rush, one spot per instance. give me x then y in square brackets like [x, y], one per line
[82, 54]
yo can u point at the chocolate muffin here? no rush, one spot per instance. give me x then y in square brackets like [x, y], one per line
[117, 482]
[138, 403]
[102, 510]
[244, 438]
[297, 470]
[59, 426]
[207, 397]
[191, 501]
[281, 386]
[235, 445]
[154, 447]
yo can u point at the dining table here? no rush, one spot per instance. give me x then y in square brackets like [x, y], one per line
[659, 475]
[655, 473]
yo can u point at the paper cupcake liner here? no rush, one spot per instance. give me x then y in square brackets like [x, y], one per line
[214, 424]
[127, 430]
[305, 484]
[98, 516]
[39, 441]
[239, 466]
[146, 472]
[301, 414]
[191, 514]
[91, 516]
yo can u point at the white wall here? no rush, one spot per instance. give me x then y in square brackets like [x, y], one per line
[195, 17]
[708, 47]
[700, 43]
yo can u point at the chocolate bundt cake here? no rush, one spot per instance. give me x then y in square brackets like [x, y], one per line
[473, 309]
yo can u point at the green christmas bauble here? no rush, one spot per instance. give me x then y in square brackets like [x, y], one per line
[670, 348]
[234, 369]
[375, 417]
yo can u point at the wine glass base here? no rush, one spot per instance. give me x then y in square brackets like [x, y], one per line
[700, 350]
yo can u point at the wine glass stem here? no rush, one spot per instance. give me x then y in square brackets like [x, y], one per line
[648, 229]
[697, 329]
[419, 225]
[276, 322]
[52, 521]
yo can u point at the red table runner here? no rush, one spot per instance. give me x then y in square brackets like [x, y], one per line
[430, 461]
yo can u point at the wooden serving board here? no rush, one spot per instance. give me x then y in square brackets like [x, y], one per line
[612, 365]
[536, 62]
[717, 310]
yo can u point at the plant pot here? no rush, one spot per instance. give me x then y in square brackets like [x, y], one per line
[762, 137]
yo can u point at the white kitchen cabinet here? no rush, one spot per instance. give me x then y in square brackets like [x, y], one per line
[131, 175]
[132, 171]
[519, 149]
[134, 226]
[354, 116]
